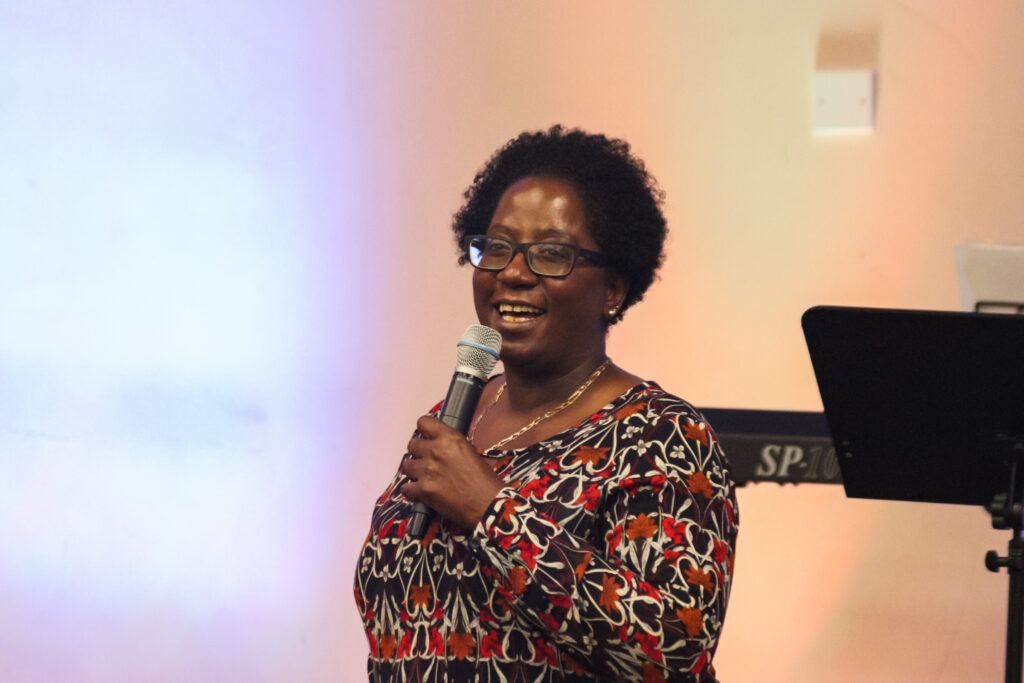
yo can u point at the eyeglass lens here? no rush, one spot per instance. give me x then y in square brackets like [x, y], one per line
[543, 258]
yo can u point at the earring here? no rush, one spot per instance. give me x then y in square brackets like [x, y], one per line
[612, 311]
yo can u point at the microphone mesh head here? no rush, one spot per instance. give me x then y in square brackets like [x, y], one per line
[472, 359]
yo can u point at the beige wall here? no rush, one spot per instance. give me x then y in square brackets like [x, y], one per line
[766, 221]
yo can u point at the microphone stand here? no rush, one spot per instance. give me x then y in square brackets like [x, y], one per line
[1006, 510]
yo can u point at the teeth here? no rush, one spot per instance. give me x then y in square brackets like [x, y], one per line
[518, 313]
[517, 308]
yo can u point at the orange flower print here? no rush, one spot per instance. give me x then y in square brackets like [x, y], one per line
[589, 455]
[572, 665]
[388, 644]
[699, 577]
[582, 566]
[652, 674]
[631, 409]
[517, 580]
[508, 511]
[693, 620]
[500, 463]
[421, 596]
[461, 644]
[431, 533]
[609, 593]
[698, 483]
[696, 431]
[642, 526]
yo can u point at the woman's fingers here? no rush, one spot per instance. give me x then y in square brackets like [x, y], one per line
[446, 473]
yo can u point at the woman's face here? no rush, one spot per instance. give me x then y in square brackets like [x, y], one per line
[562, 324]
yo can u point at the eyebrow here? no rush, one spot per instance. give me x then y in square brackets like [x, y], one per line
[545, 233]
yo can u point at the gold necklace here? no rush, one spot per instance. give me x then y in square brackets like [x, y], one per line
[537, 420]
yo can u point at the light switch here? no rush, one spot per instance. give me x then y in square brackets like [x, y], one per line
[844, 102]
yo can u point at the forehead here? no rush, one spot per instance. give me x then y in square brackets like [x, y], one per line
[537, 204]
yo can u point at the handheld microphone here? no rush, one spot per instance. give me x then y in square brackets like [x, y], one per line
[476, 355]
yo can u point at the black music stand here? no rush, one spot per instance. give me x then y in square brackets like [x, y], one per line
[929, 406]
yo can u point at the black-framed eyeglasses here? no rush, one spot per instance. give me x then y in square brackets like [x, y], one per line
[547, 259]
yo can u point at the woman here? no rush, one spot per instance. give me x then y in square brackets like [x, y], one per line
[586, 527]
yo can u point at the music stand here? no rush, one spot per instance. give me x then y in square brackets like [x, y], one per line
[929, 406]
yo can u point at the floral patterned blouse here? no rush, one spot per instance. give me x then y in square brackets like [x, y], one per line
[608, 556]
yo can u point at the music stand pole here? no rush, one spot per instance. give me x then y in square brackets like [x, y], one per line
[1006, 510]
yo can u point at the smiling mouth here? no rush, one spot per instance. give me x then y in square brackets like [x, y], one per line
[518, 313]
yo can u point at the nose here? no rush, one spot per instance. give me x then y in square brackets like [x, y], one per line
[517, 271]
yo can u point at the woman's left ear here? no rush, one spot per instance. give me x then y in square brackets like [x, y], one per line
[617, 290]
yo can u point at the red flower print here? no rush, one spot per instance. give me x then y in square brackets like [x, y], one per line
[615, 538]
[674, 530]
[406, 646]
[436, 641]
[590, 498]
[537, 487]
[529, 553]
[649, 644]
[561, 601]
[721, 551]
[491, 645]
[649, 590]
[543, 651]
[550, 622]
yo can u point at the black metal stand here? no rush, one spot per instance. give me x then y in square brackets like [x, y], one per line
[890, 380]
[1006, 510]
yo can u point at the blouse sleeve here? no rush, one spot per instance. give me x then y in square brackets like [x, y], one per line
[644, 598]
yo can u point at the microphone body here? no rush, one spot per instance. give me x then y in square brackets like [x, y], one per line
[477, 354]
[460, 403]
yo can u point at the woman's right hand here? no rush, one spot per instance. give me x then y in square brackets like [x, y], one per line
[448, 474]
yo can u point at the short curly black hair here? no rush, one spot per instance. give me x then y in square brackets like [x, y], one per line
[621, 200]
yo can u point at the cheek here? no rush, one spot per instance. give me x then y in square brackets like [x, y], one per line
[586, 299]
[482, 288]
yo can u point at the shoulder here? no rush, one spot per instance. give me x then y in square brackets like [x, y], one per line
[650, 403]
[655, 421]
